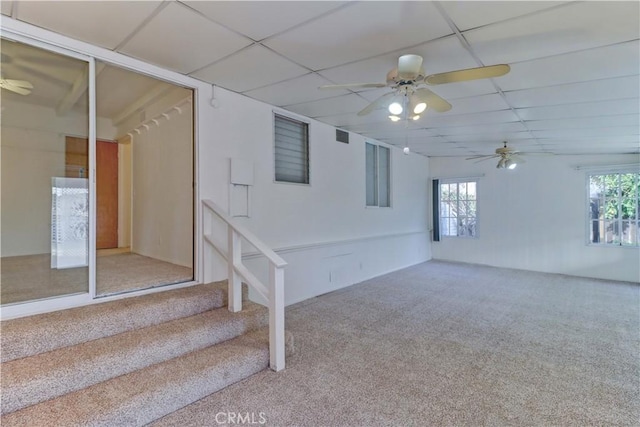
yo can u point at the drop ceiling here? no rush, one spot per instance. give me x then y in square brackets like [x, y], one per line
[574, 84]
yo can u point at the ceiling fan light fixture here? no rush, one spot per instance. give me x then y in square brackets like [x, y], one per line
[395, 108]
[501, 164]
[510, 164]
[419, 107]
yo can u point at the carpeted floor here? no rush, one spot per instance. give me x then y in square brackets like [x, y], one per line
[31, 277]
[449, 344]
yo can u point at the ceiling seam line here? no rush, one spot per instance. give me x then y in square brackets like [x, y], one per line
[467, 46]
[143, 24]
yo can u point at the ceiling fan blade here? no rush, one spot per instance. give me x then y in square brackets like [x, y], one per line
[348, 85]
[535, 153]
[433, 101]
[376, 104]
[517, 159]
[15, 89]
[486, 158]
[409, 66]
[19, 83]
[468, 74]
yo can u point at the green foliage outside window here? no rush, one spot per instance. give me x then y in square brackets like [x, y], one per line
[615, 204]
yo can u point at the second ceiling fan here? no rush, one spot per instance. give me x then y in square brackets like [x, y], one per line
[408, 82]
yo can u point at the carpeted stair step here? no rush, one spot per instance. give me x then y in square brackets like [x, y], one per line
[44, 376]
[145, 395]
[45, 332]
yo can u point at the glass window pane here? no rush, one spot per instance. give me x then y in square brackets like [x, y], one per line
[629, 233]
[444, 229]
[458, 207]
[611, 232]
[45, 180]
[453, 227]
[596, 186]
[462, 190]
[371, 176]
[291, 150]
[471, 190]
[472, 208]
[154, 164]
[383, 177]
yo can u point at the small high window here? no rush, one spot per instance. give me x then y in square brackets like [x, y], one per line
[291, 150]
[378, 175]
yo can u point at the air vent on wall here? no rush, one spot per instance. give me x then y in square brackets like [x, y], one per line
[342, 136]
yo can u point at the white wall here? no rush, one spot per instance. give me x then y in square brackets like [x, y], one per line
[323, 227]
[162, 186]
[312, 225]
[33, 151]
[534, 218]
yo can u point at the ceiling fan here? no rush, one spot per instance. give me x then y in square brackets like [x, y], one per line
[509, 158]
[408, 82]
[21, 87]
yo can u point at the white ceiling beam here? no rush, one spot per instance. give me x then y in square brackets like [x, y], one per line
[78, 89]
[158, 91]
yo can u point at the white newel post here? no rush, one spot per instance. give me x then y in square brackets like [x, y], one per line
[235, 284]
[276, 317]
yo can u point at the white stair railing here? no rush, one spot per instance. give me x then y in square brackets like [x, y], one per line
[238, 272]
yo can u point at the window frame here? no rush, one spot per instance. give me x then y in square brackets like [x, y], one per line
[376, 171]
[588, 213]
[307, 125]
[458, 181]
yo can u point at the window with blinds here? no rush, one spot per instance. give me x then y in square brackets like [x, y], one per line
[378, 188]
[291, 150]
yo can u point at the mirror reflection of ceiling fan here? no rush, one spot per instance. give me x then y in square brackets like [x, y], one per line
[509, 158]
[409, 94]
[21, 87]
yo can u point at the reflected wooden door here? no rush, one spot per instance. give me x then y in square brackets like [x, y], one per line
[77, 166]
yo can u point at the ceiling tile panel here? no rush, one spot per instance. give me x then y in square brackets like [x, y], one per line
[386, 129]
[253, 67]
[590, 140]
[261, 19]
[295, 91]
[608, 89]
[344, 120]
[359, 31]
[494, 137]
[475, 104]
[103, 23]
[494, 129]
[445, 54]
[617, 60]
[574, 79]
[443, 120]
[556, 31]
[585, 109]
[603, 132]
[471, 14]
[329, 106]
[585, 122]
[182, 40]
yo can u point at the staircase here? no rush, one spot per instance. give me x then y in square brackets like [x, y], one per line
[130, 361]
